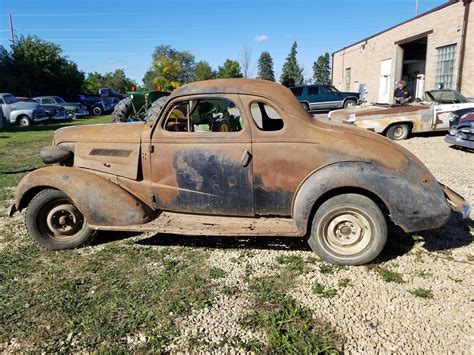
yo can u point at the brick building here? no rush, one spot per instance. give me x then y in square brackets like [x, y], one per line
[430, 51]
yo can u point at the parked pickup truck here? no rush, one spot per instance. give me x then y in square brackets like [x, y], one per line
[398, 121]
[73, 109]
[21, 113]
[324, 97]
[233, 157]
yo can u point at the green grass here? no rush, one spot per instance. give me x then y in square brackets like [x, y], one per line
[293, 262]
[422, 293]
[344, 282]
[289, 326]
[323, 291]
[390, 276]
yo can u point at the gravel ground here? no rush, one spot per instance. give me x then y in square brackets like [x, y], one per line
[369, 314]
[372, 315]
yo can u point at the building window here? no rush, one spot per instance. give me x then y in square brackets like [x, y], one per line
[348, 79]
[445, 73]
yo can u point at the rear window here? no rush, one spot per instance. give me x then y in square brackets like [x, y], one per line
[313, 90]
[266, 117]
[297, 91]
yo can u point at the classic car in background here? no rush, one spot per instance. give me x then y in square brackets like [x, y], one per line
[324, 97]
[94, 104]
[461, 129]
[398, 121]
[21, 113]
[181, 173]
[54, 112]
[73, 109]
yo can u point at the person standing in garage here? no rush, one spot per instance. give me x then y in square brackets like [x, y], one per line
[402, 94]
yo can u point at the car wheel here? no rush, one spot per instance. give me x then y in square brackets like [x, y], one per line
[70, 115]
[305, 106]
[398, 132]
[221, 125]
[24, 121]
[97, 111]
[55, 223]
[348, 229]
[349, 103]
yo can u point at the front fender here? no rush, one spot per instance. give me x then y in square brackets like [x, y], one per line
[101, 201]
[413, 197]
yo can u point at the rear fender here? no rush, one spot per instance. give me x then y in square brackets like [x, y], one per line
[101, 201]
[411, 204]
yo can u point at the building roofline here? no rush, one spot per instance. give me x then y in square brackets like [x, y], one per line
[442, 6]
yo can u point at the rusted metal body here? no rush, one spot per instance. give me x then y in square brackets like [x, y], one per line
[421, 117]
[140, 176]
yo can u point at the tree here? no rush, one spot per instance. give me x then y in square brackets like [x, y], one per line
[265, 67]
[202, 71]
[230, 69]
[37, 67]
[292, 73]
[245, 60]
[322, 69]
[170, 68]
[116, 80]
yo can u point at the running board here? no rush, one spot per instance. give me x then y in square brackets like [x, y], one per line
[189, 224]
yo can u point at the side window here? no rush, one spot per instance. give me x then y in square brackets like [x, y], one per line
[313, 90]
[177, 121]
[324, 90]
[204, 116]
[266, 117]
[215, 115]
[47, 101]
[1, 101]
[297, 91]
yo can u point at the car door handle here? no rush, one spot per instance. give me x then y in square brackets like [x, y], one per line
[246, 158]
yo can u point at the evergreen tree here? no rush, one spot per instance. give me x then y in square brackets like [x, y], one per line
[265, 67]
[230, 69]
[202, 71]
[322, 70]
[292, 73]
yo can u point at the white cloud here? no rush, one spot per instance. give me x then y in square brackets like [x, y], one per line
[262, 38]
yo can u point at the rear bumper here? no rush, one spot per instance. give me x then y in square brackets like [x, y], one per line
[456, 202]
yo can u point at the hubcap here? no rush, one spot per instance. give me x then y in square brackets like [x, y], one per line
[64, 220]
[398, 132]
[347, 233]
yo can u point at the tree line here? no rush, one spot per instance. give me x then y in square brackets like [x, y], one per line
[34, 67]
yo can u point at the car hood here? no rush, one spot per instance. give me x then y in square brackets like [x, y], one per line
[101, 133]
[21, 105]
[340, 115]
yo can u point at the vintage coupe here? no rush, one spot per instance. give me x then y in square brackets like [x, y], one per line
[398, 121]
[277, 172]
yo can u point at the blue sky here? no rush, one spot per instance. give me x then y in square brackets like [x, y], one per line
[104, 35]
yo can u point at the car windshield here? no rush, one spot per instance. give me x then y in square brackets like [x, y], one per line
[59, 100]
[10, 99]
[446, 96]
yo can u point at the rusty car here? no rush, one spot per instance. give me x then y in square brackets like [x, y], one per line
[279, 172]
[398, 121]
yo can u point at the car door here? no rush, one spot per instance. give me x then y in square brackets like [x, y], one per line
[313, 97]
[201, 160]
[334, 97]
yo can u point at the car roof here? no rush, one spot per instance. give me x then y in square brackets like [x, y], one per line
[276, 93]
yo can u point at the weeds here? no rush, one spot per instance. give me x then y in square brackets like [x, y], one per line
[323, 291]
[390, 276]
[422, 293]
[344, 282]
[293, 262]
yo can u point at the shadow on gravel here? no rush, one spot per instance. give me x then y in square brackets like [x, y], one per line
[455, 234]
[270, 243]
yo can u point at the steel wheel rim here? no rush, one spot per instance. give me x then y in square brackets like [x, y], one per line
[347, 233]
[350, 104]
[61, 221]
[398, 132]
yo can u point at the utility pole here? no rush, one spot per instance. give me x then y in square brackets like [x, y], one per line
[417, 7]
[11, 30]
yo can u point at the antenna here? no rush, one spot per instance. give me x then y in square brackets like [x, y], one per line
[417, 7]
